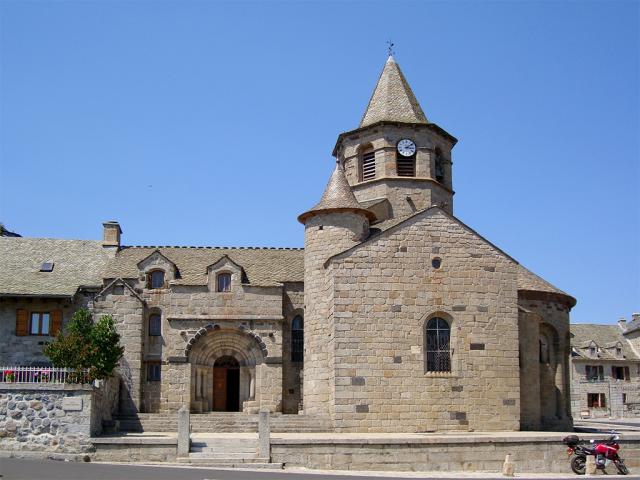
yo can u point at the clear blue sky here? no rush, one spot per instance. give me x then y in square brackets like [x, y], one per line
[205, 123]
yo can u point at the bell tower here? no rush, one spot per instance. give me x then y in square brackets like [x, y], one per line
[396, 161]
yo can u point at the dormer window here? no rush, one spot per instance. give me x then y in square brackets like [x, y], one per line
[155, 279]
[368, 165]
[223, 282]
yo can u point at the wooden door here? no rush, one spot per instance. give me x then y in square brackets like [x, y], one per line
[219, 389]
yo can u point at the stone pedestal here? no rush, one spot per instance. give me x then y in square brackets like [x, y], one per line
[184, 431]
[264, 433]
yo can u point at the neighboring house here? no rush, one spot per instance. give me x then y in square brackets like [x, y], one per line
[605, 373]
[396, 316]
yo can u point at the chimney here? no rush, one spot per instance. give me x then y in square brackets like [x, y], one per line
[635, 317]
[622, 323]
[111, 234]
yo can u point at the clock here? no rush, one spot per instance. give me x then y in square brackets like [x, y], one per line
[406, 147]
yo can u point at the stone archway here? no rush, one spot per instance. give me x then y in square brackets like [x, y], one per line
[214, 346]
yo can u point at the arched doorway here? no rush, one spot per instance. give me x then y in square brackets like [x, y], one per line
[226, 369]
[226, 384]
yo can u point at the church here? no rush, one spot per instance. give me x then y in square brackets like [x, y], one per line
[395, 317]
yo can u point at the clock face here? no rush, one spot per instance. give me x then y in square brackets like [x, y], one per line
[406, 147]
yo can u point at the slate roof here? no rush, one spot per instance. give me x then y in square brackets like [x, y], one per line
[262, 266]
[337, 196]
[527, 280]
[604, 336]
[392, 100]
[76, 263]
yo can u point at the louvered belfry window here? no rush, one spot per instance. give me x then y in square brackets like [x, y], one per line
[406, 166]
[438, 337]
[368, 171]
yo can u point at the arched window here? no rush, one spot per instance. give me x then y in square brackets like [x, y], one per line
[156, 279]
[439, 166]
[438, 345]
[297, 339]
[543, 349]
[367, 164]
[224, 282]
[155, 325]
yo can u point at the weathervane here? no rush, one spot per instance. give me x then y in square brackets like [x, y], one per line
[390, 45]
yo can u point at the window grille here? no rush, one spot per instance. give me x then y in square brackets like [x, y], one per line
[297, 339]
[438, 336]
[368, 166]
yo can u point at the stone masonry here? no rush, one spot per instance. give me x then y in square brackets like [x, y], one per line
[408, 319]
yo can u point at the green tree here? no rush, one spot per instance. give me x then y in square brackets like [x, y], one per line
[85, 345]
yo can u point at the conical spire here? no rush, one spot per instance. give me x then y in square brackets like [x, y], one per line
[393, 100]
[337, 196]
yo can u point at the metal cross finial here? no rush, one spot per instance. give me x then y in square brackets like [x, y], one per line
[390, 46]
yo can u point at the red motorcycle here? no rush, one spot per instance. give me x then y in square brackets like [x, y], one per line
[605, 453]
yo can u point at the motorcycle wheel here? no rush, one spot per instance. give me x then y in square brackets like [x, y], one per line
[579, 464]
[622, 468]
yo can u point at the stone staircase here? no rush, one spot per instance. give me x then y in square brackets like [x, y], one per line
[227, 451]
[222, 422]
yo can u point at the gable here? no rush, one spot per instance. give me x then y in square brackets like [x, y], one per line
[436, 226]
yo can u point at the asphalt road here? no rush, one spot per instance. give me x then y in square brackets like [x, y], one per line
[18, 469]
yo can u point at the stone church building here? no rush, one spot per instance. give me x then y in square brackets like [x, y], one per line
[395, 317]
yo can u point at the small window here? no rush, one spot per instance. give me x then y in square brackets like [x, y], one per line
[437, 342]
[46, 267]
[596, 400]
[436, 263]
[154, 371]
[439, 166]
[224, 282]
[155, 325]
[297, 339]
[543, 352]
[39, 323]
[156, 279]
[368, 166]
[624, 398]
[594, 373]
[620, 373]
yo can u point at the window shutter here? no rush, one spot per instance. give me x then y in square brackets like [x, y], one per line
[22, 322]
[613, 372]
[56, 322]
[626, 374]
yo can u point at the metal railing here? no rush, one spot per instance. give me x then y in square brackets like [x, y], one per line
[17, 374]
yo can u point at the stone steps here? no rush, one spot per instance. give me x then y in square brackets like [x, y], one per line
[221, 422]
[262, 463]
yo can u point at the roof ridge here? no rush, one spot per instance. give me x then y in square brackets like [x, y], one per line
[208, 247]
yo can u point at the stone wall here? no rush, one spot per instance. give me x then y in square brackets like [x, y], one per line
[54, 417]
[545, 376]
[423, 190]
[531, 454]
[27, 350]
[385, 291]
[612, 389]
[326, 234]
